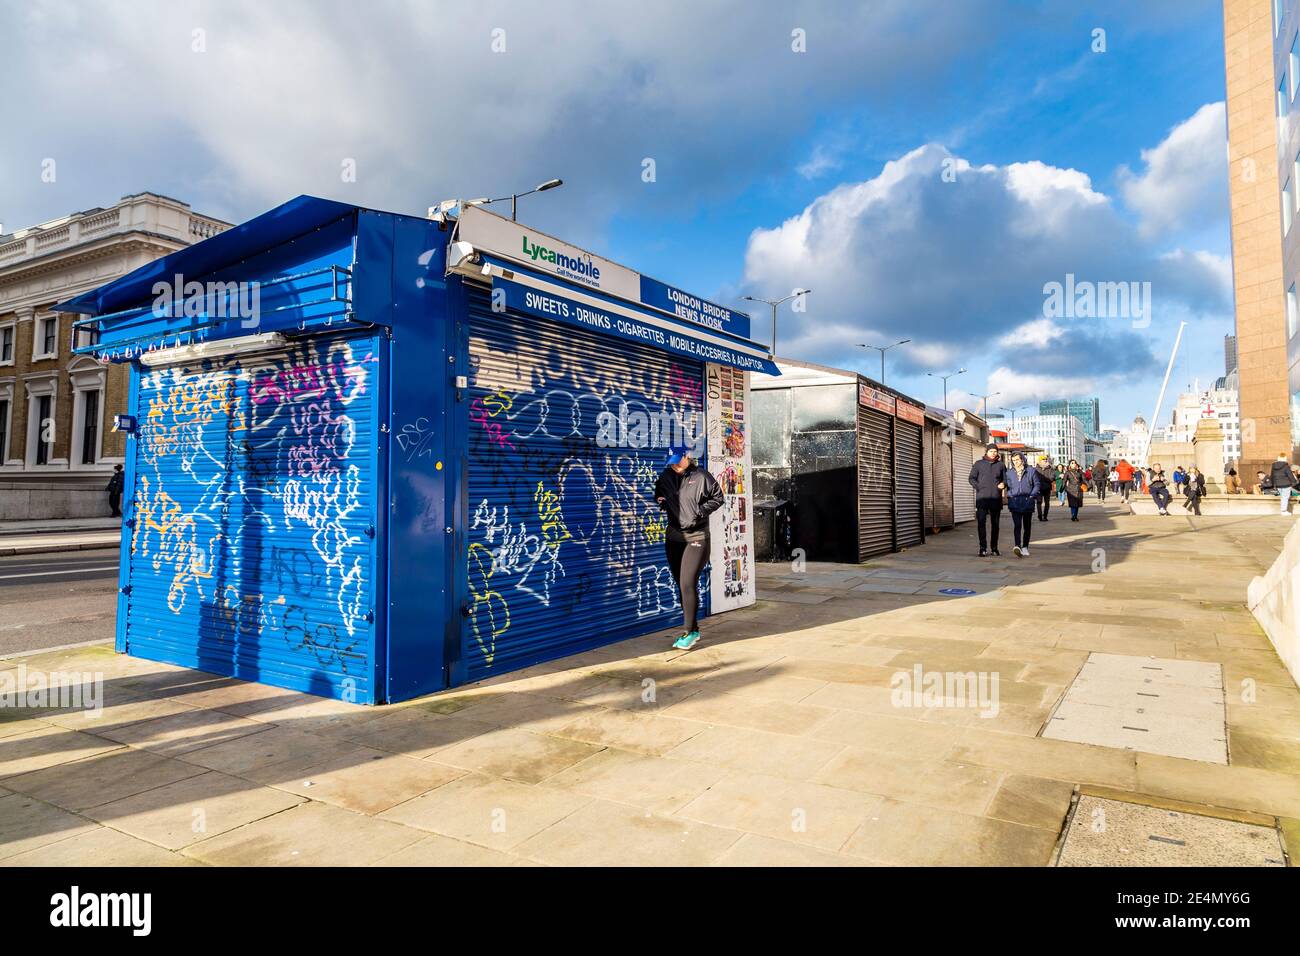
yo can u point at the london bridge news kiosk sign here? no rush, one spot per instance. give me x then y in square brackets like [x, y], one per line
[497, 236]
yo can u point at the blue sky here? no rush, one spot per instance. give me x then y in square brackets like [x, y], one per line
[773, 168]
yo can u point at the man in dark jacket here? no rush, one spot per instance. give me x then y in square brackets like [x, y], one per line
[1047, 477]
[688, 495]
[114, 489]
[988, 477]
[1101, 478]
[1282, 478]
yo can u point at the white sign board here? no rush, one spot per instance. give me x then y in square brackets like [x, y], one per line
[732, 583]
[488, 232]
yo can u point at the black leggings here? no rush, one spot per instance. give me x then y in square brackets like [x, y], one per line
[1021, 522]
[686, 559]
[1044, 505]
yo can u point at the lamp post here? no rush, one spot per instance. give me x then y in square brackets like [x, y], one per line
[774, 303]
[882, 350]
[514, 197]
[984, 404]
[945, 383]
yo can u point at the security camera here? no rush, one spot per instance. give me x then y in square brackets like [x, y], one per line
[459, 253]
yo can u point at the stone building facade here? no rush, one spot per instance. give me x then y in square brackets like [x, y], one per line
[57, 446]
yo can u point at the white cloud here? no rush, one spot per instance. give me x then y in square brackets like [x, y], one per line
[958, 266]
[1184, 182]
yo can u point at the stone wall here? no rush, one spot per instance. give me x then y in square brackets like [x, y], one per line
[1274, 599]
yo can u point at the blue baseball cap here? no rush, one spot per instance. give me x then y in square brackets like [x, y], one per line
[677, 452]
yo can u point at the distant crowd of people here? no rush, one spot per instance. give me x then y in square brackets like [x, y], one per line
[1027, 492]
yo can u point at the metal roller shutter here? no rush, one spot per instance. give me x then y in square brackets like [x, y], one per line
[566, 543]
[875, 484]
[929, 448]
[963, 495]
[252, 542]
[942, 481]
[910, 527]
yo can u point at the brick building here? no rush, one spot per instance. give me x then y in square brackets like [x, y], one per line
[56, 408]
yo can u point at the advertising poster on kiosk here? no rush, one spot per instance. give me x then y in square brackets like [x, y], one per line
[727, 409]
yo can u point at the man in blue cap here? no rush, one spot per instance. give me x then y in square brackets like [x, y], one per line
[687, 494]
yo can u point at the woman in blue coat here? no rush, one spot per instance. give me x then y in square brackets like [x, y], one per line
[1024, 484]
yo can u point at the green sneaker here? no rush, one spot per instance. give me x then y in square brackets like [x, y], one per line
[687, 641]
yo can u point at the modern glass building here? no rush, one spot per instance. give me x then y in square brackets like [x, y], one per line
[1086, 410]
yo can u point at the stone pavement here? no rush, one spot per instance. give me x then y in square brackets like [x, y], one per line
[58, 534]
[777, 741]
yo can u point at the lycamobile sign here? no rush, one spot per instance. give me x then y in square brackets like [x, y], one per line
[535, 251]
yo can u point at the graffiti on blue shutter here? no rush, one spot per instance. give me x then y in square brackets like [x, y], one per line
[568, 434]
[252, 482]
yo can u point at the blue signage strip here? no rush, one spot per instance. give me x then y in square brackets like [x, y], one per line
[548, 306]
[692, 308]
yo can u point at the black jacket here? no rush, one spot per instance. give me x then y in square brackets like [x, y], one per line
[1281, 475]
[985, 476]
[114, 486]
[688, 500]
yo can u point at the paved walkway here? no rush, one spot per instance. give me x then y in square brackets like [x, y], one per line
[775, 742]
[59, 534]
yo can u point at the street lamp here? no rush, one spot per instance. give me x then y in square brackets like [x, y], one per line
[984, 406]
[514, 197]
[945, 383]
[882, 350]
[774, 303]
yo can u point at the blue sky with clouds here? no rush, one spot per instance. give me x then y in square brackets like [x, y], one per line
[773, 168]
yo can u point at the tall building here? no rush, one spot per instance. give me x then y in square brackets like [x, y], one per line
[1087, 410]
[1264, 166]
[56, 408]
[1060, 436]
[1229, 354]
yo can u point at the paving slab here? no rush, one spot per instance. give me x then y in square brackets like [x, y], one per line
[602, 833]
[100, 846]
[29, 824]
[1106, 832]
[190, 810]
[102, 778]
[310, 834]
[488, 811]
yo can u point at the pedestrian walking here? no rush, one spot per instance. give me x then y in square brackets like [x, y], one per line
[1024, 487]
[1075, 486]
[1195, 483]
[988, 477]
[1060, 484]
[1101, 478]
[1159, 486]
[1283, 479]
[114, 489]
[1124, 472]
[1047, 486]
[688, 495]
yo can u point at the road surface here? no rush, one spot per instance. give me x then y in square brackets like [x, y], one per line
[64, 597]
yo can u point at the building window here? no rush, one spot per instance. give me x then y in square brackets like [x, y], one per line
[7, 345]
[44, 428]
[1288, 208]
[4, 429]
[1292, 312]
[1281, 99]
[1294, 62]
[89, 426]
[1277, 16]
[45, 343]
